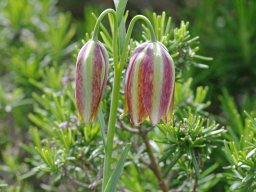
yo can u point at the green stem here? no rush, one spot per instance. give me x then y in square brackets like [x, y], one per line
[98, 22]
[113, 111]
[129, 33]
[111, 129]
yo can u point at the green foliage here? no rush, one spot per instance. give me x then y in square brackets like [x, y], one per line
[36, 41]
[229, 35]
[186, 99]
[240, 147]
[243, 159]
[192, 133]
[189, 142]
[44, 146]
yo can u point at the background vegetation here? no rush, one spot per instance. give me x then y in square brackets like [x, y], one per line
[211, 143]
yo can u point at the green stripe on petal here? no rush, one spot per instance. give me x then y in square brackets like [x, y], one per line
[157, 83]
[91, 77]
[87, 80]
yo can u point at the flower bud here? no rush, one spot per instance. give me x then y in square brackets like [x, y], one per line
[91, 78]
[149, 84]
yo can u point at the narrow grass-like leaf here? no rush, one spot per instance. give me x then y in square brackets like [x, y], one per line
[251, 153]
[209, 170]
[120, 10]
[173, 161]
[195, 163]
[122, 34]
[168, 26]
[102, 126]
[112, 183]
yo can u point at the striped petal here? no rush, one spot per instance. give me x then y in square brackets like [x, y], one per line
[91, 77]
[167, 101]
[134, 88]
[158, 81]
[154, 69]
[150, 84]
[128, 73]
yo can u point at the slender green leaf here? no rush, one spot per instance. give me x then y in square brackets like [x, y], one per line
[102, 126]
[173, 162]
[209, 170]
[120, 8]
[195, 163]
[122, 34]
[112, 183]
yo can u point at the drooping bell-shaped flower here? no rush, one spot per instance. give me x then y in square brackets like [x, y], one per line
[149, 84]
[91, 78]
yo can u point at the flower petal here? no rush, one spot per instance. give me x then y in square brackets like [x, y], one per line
[152, 69]
[91, 76]
[99, 79]
[128, 74]
[149, 89]
[135, 89]
[158, 82]
[167, 98]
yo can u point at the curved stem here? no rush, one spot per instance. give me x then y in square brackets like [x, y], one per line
[129, 33]
[98, 22]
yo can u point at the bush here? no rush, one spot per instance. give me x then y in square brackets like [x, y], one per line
[46, 147]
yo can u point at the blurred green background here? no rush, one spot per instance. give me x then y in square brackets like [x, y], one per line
[38, 46]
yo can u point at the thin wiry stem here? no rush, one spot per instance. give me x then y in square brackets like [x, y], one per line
[123, 126]
[155, 167]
